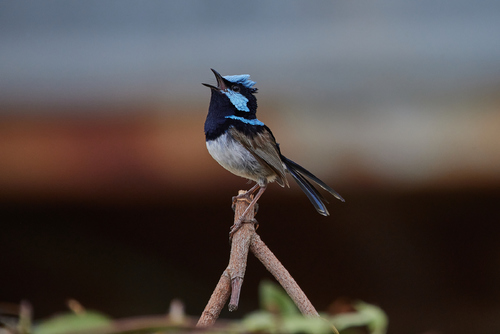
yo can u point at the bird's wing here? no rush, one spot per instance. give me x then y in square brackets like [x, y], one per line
[262, 146]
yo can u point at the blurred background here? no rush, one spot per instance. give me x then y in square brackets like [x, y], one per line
[108, 194]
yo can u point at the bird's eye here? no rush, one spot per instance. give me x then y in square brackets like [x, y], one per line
[235, 88]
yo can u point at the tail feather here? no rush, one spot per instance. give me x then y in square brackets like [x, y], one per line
[311, 192]
[299, 174]
[293, 165]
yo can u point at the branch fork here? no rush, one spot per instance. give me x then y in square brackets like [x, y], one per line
[231, 280]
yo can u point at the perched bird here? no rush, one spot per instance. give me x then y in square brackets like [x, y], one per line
[246, 147]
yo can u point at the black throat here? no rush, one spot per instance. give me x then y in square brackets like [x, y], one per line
[220, 107]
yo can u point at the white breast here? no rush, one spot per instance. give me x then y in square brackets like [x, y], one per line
[234, 157]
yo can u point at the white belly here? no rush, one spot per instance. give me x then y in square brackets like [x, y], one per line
[231, 155]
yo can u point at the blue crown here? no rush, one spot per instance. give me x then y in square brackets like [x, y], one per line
[243, 79]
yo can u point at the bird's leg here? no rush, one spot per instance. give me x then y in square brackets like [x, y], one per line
[251, 206]
[252, 190]
[245, 195]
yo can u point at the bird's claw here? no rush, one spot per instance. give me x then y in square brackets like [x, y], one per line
[245, 196]
[255, 207]
[236, 226]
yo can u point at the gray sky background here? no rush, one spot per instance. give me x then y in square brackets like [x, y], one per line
[386, 83]
[347, 51]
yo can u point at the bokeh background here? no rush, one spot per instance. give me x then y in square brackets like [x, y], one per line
[109, 196]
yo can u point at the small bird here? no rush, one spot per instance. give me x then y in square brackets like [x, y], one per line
[246, 147]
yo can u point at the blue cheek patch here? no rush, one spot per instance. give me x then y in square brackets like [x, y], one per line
[238, 100]
[254, 121]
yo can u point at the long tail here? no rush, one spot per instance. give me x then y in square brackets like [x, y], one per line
[299, 174]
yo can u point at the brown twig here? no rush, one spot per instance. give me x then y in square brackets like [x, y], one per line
[216, 302]
[239, 250]
[232, 278]
[274, 266]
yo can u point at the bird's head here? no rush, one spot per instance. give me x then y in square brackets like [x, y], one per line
[234, 92]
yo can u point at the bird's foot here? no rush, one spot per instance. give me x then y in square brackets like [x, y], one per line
[246, 197]
[236, 226]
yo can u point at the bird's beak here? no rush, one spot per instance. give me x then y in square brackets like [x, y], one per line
[220, 82]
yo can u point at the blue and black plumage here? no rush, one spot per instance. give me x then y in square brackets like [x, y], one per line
[246, 147]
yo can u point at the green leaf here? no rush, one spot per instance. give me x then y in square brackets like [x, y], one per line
[263, 321]
[378, 319]
[70, 322]
[260, 321]
[366, 314]
[275, 300]
[301, 324]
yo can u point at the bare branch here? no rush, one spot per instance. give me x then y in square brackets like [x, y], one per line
[274, 266]
[239, 250]
[216, 302]
[231, 280]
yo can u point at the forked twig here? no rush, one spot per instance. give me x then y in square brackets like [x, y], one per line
[231, 280]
